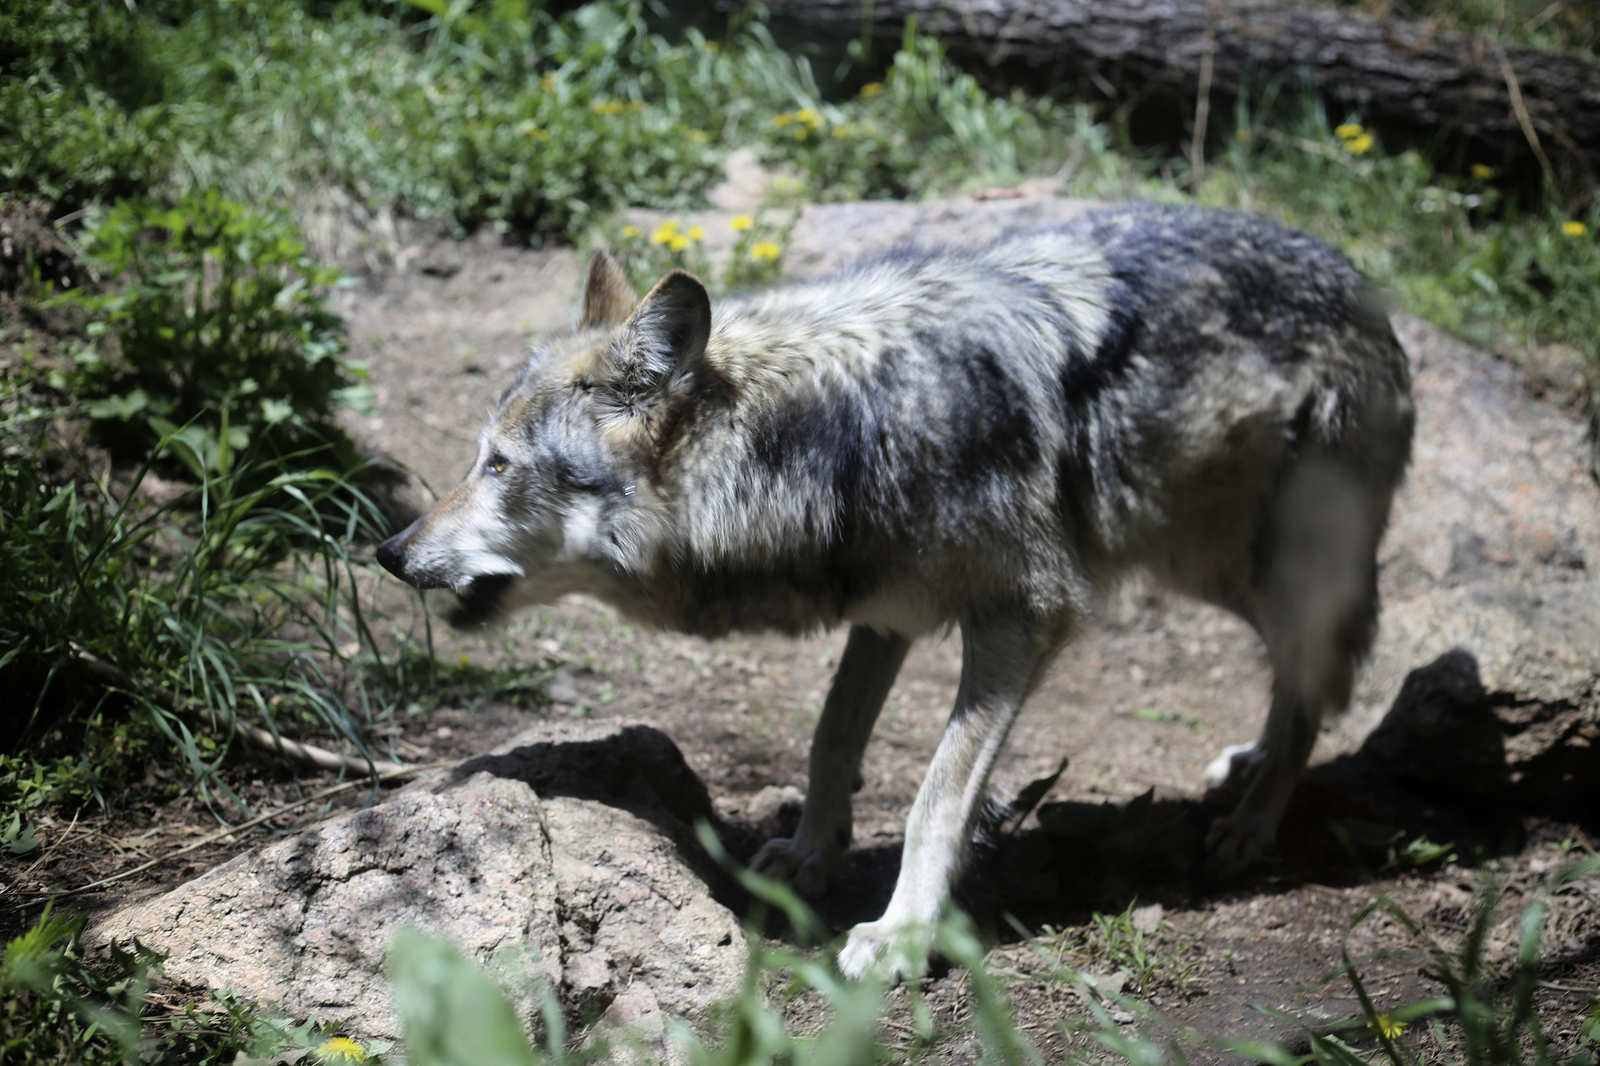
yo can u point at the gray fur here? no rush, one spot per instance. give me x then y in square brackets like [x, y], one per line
[990, 439]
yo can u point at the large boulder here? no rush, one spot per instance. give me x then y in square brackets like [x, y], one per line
[561, 862]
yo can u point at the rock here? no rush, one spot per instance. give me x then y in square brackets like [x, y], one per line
[772, 811]
[1494, 547]
[560, 859]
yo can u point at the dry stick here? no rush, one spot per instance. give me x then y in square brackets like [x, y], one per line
[331, 790]
[52, 848]
[261, 738]
[1521, 108]
[1202, 101]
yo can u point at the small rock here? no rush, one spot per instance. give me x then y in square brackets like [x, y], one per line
[1147, 919]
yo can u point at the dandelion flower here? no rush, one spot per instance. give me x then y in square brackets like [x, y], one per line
[341, 1049]
[1386, 1025]
[465, 659]
[632, 232]
[609, 107]
[678, 242]
[809, 117]
[871, 89]
[665, 232]
[1574, 228]
[710, 46]
[696, 233]
[547, 81]
[1348, 131]
[740, 223]
[782, 120]
[801, 133]
[1482, 171]
[1358, 145]
[847, 130]
[765, 251]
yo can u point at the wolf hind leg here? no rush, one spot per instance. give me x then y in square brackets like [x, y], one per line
[1316, 608]
[867, 669]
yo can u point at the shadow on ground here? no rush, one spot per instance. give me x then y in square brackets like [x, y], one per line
[1431, 781]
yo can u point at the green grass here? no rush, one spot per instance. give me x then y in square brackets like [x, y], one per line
[55, 1007]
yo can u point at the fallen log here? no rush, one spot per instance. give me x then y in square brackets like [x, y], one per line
[1521, 100]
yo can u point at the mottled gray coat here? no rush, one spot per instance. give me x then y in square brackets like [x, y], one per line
[989, 439]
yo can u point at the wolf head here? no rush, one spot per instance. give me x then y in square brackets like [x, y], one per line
[561, 496]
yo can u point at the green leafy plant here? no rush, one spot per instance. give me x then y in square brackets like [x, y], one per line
[756, 257]
[925, 121]
[221, 325]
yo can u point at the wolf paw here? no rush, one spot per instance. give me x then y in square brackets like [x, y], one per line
[806, 869]
[1234, 844]
[887, 951]
[1235, 765]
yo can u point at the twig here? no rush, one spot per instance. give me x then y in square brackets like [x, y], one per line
[331, 790]
[1521, 108]
[51, 849]
[261, 738]
[1202, 100]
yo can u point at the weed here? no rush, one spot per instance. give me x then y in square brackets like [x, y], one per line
[756, 257]
[220, 324]
[925, 122]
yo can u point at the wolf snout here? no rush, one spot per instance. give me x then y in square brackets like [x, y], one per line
[391, 555]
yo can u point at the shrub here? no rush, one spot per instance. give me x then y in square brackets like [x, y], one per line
[221, 324]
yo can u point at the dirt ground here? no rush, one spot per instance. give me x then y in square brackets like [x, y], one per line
[1142, 703]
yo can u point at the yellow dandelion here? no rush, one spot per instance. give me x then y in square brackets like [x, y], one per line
[1348, 131]
[740, 223]
[801, 133]
[678, 242]
[871, 89]
[1482, 171]
[547, 81]
[609, 107]
[782, 120]
[1386, 1025]
[809, 117]
[1574, 228]
[710, 46]
[847, 130]
[632, 232]
[696, 233]
[341, 1049]
[1358, 145]
[664, 232]
[465, 659]
[765, 251]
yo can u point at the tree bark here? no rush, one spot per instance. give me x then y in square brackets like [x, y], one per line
[1528, 101]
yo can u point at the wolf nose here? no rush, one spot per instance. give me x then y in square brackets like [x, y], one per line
[391, 554]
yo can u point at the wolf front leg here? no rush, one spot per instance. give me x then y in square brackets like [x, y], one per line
[1001, 659]
[867, 669]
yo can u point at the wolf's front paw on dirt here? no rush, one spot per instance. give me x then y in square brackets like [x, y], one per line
[1234, 844]
[806, 868]
[887, 951]
[1233, 768]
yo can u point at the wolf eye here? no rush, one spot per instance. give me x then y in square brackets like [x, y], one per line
[496, 464]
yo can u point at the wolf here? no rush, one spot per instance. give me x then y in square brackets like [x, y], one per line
[987, 439]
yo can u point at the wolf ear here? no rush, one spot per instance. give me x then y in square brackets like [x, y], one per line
[608, 299]
[666, 336]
